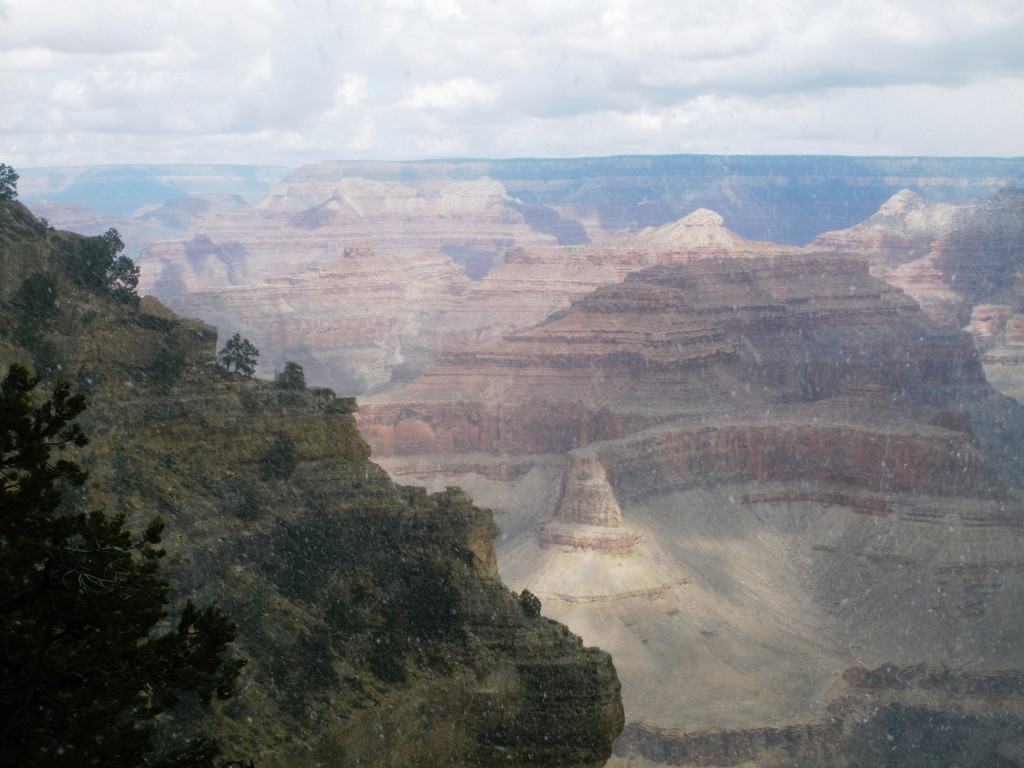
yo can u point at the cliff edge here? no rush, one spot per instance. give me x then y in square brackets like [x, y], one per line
[376, 627]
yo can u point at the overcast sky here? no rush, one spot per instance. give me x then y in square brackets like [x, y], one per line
[295, 81]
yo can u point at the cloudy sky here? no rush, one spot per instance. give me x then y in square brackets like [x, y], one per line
[296, 81]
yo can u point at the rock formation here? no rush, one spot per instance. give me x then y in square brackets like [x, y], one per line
[587, 514]
[902, 230]
[331, 318]
[376, 627]
[949, 258]
[811, 474]
[534, 282]
[963, 264]
[314, 215]
[777, 198]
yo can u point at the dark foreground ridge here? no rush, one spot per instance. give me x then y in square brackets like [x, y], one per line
[377, 629]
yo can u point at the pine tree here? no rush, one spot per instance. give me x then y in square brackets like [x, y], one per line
[8, 182]
[292, 377]
[83, 677]
[240, 353]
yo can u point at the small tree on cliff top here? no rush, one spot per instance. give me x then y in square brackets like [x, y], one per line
[292, 377]
[95, 264]
[8, 182]
[239, 353]
[82, 677]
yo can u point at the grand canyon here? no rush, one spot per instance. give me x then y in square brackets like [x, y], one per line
[751, 425]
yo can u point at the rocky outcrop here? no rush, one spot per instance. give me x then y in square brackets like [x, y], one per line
[587, 514]
[586, 496]
[949, 258]
[983, 259]
[376, 626]
[707, 338]
[532, 283]
[963, 264]
[902, 230]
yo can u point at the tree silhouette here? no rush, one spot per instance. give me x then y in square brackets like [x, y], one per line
[239, 353]
[94, 263]
[292, 377]
[8, 182]
[83, 677]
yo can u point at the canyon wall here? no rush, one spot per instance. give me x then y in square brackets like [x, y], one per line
[314, 215]
[742, 469]
[375, 624]
[740, 475]
[962, 263]
[378, 315]
[778, 198]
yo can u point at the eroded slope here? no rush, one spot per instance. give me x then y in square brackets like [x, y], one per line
[791, 471]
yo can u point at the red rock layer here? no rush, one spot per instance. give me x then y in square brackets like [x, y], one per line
[734, 346]
[535, 281]
[894, 458]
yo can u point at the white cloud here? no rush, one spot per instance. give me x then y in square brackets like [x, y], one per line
[352, 91]
[302, 80]
[450, 94]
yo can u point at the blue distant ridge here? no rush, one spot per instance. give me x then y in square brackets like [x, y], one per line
[784, 199]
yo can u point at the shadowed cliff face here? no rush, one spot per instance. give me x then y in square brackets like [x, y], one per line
[790, 469]
[377, 629]
[963, 264]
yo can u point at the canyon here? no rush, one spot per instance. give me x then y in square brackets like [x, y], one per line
[329, 316]
[741, 476]
[786, 199]
[762, 474]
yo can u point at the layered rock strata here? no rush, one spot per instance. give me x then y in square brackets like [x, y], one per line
[705, 339]
[963, 264]
[313, 216]
[353, 323]
[863, 724]
[817, 475]
[378, 315]
[902, 230]
[533, 282]
[587, 514]
[951, 259]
